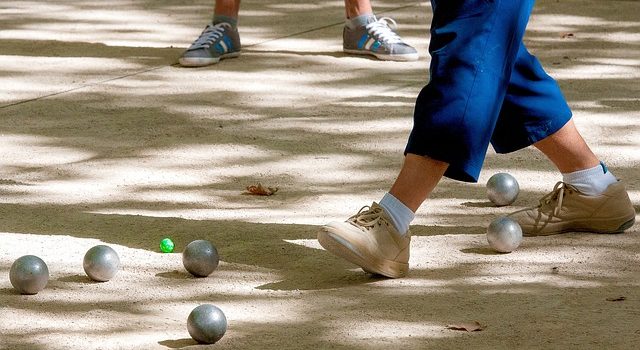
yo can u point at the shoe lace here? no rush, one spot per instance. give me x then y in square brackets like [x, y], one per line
[384, 30]
[209, 35]
[368, 217]
[554, 198]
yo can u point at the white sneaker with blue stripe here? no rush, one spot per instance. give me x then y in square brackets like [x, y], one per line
[216, 42]
[378, 39]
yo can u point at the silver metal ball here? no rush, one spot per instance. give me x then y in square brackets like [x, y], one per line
[29, 274]
[200, 258]
[101, 263]
[504, 234]
[207, 324]
[502, 189]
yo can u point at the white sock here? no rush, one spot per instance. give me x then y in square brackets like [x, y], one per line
[592, 181]
[360, 21]
[399, 213]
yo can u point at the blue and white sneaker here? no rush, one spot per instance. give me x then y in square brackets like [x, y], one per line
[378, 39]
[215, 43]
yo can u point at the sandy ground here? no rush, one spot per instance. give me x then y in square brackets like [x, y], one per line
[104, 139]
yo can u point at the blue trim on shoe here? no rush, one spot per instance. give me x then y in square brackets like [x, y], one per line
[219, 48]
[362, 41]
[228, 42]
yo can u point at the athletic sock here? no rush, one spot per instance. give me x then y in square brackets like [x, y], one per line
[592, 181]
[400, 215]
[361, 20]
[217, 19]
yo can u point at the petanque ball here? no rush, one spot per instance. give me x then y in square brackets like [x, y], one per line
[101, 263]
[207, 324]
[504, 234]
[502, 189]
[29, 274]
[200, 258]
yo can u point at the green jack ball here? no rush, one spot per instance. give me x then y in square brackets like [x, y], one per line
[166, 245]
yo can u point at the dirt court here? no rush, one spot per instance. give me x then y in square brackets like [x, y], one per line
[104, 140]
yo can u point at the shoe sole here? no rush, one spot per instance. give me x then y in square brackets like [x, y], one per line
[398, 58]
[205, 61]
[334, 244]
[585, 228]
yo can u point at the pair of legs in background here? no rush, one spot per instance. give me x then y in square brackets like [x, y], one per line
[484, 88]
[363, 34]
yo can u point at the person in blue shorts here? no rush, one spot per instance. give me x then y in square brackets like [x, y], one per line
[484, 88]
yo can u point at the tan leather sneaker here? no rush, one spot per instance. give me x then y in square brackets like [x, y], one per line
[369, 240]
[566, 209]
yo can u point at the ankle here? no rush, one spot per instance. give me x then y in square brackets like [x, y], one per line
[592, 181]
[400, 215]
[360, 20]
[233, 21]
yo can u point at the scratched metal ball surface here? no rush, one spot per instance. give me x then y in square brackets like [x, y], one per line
[207, 324]
[504, 234]
[200, 258]
[101, 263]
[502, 189]
[29, 274]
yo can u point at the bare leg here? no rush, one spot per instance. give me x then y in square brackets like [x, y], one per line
[568, 150]
[354, 8]
[229, 8]
[418, 177]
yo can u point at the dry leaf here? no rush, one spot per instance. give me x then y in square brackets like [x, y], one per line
[617, 299]
[467, 326]
[260, 190]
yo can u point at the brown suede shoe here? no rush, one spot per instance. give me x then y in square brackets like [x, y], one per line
[566, 209]
[369, 240]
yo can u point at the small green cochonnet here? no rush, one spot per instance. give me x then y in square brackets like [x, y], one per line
[166, 245]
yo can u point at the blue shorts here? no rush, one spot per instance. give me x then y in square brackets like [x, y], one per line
[484, 87]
